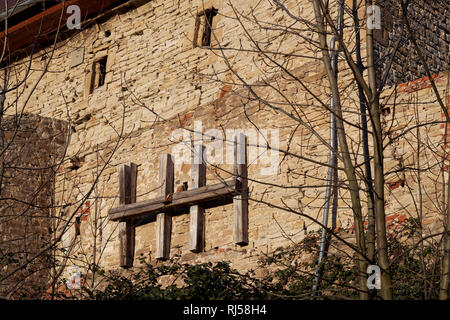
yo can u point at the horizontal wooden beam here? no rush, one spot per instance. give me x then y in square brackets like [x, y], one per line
[40, 26]
[209, 196]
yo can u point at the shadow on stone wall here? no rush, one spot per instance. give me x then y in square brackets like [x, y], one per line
[33, 150]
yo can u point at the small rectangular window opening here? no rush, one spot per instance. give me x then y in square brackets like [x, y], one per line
[203, 28]
[99, 73]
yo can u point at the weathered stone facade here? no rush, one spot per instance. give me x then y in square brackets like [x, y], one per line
[156, 82]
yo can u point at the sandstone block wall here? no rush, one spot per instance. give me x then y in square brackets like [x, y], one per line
[156, 83]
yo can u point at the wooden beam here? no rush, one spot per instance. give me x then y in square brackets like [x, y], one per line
[194, 201]
[208, 196]
[240, 201]
[127, 192]
[163, 219]
[39, 27]
[197, 212]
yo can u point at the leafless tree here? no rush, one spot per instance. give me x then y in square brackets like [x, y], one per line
[277, 65]
[39, 232]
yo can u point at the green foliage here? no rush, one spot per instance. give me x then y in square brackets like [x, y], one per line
[289, 274]
[415, 269]
[295, 275]
[180, 281]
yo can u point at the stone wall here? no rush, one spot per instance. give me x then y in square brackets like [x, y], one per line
[157, 83]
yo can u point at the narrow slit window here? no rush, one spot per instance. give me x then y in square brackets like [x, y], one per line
[203, 28]
[99, 74]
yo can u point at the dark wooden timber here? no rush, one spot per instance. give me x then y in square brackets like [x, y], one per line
[193, 202]
[127, 191]
[163, 219]
[197, 212]
[240, 201]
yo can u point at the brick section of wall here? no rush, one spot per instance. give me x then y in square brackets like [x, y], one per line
[425, 83]
[429, 20]
[416, 102]
[418, 84]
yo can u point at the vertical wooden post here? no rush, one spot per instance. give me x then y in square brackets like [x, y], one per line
[164, 220]
[197, 213]
[240, 201]
[127, 191]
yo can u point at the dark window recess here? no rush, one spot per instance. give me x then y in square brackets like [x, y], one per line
[203, 28]
[99, 73]
[75, 163]
[77, 225]
[101, 66]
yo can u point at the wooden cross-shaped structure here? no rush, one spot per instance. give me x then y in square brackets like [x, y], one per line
[193, 202]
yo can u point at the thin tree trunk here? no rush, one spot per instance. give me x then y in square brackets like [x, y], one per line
[368, 171]
[2, 140]
[349, 169]
[377, 135]
[443, 292]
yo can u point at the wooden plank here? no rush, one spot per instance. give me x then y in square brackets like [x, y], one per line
[197, 212]
[240, 201]
[163, 219]
[163, 236]
[127, 195]
[206, 196]
[166, 174]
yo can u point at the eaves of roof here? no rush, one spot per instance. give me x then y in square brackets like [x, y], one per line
[39, 28]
